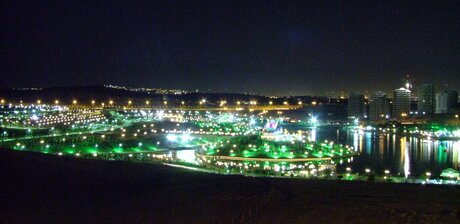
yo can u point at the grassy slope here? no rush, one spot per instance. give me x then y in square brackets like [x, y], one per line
[37, 188]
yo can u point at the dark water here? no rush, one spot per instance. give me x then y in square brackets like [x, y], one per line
[401, 155]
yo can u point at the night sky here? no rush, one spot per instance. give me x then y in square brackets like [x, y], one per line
[266, 47]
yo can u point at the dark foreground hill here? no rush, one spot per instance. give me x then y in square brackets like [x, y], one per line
[36, 188]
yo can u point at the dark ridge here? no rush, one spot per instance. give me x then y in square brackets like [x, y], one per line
[38, 188]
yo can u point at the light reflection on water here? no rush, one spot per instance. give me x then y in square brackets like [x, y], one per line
[399, 154]
[405, 156]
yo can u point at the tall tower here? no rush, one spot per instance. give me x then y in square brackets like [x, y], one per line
[425, 100]
[379, 108]
[408, 81]
[401, 103]
[356, 105]
[446, 101]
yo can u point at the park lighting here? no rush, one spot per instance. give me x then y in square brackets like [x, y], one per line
[314, 120]
[238, 102]
[93, 102]
[74, 102]
[428, 174]
[300, 103]
[147, 102]
[356, 121]
[270, 102]
[183, 102]
[367, 170]
[39, 101]
[2, 101]
[129, 102]
[186, 137]
[285, 103]
[111, 102]
[165, 102]
[314, 103]
[171, 138]
[56, 102]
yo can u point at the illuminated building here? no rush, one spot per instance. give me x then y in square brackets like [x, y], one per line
[401, 103]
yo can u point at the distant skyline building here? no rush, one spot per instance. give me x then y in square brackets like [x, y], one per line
[408, 82]
[379, 106]
[401, 103]
[356, 105]
[425, 100]
[446, 101]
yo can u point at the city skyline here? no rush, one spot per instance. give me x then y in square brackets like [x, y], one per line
[269, 48]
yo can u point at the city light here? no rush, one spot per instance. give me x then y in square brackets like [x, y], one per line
[314, 120]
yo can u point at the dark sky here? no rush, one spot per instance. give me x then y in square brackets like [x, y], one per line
[268, 47]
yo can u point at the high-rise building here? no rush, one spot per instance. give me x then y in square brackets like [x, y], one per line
[425, 100]
[446, 101]
[401, 103]
[356, 105]
[379, 106]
